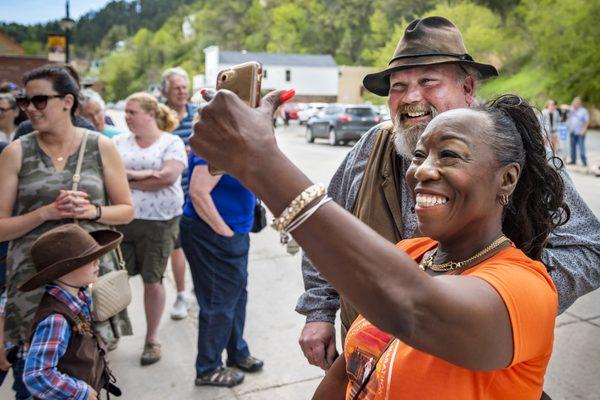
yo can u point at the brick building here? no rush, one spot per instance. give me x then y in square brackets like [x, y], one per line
[13, 61]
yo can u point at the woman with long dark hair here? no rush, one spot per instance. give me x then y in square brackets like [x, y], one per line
[36, 172]
[466, 311]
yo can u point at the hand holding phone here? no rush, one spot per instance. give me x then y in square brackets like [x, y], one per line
[244, 80]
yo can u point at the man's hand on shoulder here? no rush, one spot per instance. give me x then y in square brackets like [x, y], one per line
[317, 342]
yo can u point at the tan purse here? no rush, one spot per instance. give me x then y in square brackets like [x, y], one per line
[111, 293]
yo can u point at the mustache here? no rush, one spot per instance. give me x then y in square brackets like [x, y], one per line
[416, 108]
[407, 135]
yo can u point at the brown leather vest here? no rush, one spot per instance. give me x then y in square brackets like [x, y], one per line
[378, 201]
[84, 358]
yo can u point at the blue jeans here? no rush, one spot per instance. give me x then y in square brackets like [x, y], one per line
[219, 267]
[577, 141]
[21, 392]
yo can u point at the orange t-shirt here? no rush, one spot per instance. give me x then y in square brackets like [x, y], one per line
[406, 373]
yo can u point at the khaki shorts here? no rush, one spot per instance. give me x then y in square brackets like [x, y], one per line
[147, 245]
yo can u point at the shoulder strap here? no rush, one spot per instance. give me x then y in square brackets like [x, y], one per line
[77, 175]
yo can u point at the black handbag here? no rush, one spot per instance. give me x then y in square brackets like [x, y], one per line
[260, 217]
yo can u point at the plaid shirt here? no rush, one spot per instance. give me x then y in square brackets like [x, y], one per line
[48, 345]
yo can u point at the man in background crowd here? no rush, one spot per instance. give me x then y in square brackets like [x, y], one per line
[577, 124]
[175, 88]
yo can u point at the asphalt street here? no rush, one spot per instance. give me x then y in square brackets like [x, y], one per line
[273, 328]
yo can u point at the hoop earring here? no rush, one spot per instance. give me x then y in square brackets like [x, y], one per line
[503, 200]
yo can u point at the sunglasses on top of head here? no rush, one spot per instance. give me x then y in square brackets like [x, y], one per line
[39, 102]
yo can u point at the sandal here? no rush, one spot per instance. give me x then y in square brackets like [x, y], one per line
[224, 377]
[248, 364]
[151, 353]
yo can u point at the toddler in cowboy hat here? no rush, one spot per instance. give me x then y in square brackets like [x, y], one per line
[65, 359]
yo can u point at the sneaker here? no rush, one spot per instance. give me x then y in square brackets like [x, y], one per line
[180, 308]
[223, 377]
[248, 364]
[112, 344]
[151, 353]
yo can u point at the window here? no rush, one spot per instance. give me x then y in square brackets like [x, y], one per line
[265, 73]
[288, 75]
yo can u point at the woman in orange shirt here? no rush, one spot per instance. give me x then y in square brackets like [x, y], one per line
[467, 311]
[478, 198]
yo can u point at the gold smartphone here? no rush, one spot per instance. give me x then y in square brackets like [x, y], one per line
[244, 80]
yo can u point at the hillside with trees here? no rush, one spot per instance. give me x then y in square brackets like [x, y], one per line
[543, 48]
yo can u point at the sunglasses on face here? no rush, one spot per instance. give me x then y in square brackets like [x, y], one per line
[39, 102]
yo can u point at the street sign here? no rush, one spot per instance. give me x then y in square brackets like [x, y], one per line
[57, 44]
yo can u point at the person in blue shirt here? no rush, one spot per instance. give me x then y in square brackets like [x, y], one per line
[217, 217]
[175, 89]
[577, 124]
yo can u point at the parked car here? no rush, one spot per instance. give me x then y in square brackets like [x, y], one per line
[313, 110]
[384, 113]
[290, 111]
[339, 123]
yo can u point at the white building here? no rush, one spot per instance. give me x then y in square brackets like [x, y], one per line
[314, 76]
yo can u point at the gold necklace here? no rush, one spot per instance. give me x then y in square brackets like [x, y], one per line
[427, 263]
[68, 151]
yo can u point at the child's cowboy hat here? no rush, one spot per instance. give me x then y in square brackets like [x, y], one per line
[64, 249]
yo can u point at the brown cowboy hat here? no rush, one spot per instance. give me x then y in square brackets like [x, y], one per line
[64, 249]
[427, 41]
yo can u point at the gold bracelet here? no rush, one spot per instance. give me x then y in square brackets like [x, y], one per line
[297, 205]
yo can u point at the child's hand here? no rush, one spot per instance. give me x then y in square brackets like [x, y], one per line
[4, 364]
[93, 395]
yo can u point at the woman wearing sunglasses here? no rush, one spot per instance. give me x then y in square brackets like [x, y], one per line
[37, 171]
[9, 114]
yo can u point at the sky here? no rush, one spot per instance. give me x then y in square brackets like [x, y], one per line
[35, 11]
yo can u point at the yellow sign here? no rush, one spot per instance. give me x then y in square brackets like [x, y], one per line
[56, 47]
[57, 41]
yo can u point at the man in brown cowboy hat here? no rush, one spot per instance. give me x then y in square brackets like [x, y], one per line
[65, 359]
[430, 72]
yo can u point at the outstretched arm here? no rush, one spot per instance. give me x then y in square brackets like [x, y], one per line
[435, 315]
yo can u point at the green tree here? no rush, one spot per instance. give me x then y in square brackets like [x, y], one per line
[288, 28]
[566, 35]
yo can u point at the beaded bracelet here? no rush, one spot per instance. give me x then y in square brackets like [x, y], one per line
[297, 205]
[284, 235]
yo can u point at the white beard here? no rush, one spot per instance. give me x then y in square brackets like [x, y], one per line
[406, 139]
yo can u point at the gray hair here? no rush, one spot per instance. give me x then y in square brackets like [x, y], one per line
[89, 95]
[170, 72]
[10, 98]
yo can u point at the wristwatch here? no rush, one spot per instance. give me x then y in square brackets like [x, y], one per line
[98, 213]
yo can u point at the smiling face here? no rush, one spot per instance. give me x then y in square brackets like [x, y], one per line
[177, 92]
[418, 94]
[57, 110]
[455, 177]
